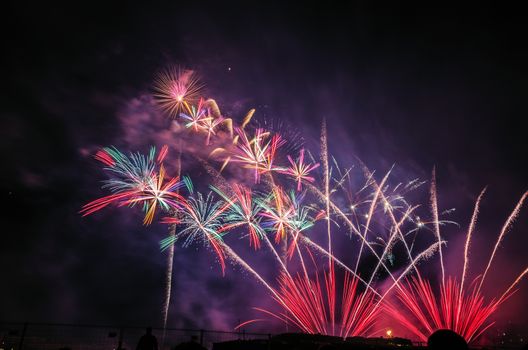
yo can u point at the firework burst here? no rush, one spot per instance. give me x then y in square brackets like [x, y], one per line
[308, 305]
[376, 214]
[300, 170]
[201, 219]
[458, 307]
[176, 89]
[243, 211]
[134, 179]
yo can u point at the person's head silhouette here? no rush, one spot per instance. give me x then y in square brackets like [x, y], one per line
[149, 330]
[446, 339]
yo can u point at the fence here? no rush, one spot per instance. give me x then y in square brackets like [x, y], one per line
[47, 336]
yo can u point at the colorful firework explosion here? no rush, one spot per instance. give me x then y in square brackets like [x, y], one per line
[376, 214]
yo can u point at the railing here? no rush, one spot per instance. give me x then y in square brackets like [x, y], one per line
[55, 336]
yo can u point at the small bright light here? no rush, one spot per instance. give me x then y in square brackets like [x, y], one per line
[366, 216]
[389, 333]
[353, 207]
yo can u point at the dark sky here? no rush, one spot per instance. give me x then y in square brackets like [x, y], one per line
[412, 86]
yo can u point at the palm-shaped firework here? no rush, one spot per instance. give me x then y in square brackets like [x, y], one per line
[201, 220]
[136, 179]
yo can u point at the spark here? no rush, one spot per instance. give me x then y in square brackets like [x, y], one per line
[503, 232]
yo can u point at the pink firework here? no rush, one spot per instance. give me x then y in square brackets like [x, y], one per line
[300, 170]
[176, 90]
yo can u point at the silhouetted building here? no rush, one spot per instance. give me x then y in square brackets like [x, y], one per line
[299, 341]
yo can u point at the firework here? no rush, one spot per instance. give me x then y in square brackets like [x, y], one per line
[308, 303]
[195, 116]
[258, 153]
[458, 307]
[243, 211]
[465, 313]
[176, 90]
[278, 212]
[201, 220]
[135, 180]
[272, 212]
[300, 170]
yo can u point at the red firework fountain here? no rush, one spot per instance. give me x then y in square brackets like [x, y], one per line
[457, 307]
[309, 305]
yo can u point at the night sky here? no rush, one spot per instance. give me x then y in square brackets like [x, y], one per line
[413, 86]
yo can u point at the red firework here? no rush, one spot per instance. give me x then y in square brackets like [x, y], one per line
[457, 307]
[465, 313]
[310, 305]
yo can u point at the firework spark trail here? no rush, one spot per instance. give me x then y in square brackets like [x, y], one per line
[311, 243]
[301, 259]
[370, 214]
[156, 193]
[434, 207]
[168, 284]
[350, 225]
[170, 255]
[364, 315]
[326, 173]
[389, 244]
[506, 294]
[277, 256]
[370, 176]
[256, 153]
[237, 259]
[427, 253]
[234, 139]
[504, 230]
[394, 231]
[471, 228]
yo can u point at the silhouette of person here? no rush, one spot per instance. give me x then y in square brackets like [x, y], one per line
[446, 339]
[147, 341]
